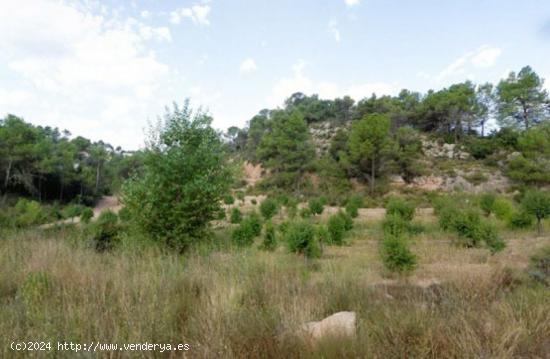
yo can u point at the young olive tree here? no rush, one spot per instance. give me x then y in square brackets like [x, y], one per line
[183, 180]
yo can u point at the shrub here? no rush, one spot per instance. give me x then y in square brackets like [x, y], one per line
[488, 234]
[253, 201]
[244, 234]
[336, 227]
[353, 204]
[105, 230]
[486, 203]
[466, 225]
[300, 238]
[72, 210]
[86, 215]
[348, 221]
[520, 219]
[268, 208]
[316, 205]
[235, 216]
[270, 239]
[228, 199]
[537, 203]
[394, 225]
[323, 234]
[182, 181]
[240, 195]
[305, 213]
[28, 213]
[124, 215]
[503, 209]
[539, 265]
[400, 207]
[396, 254]
[446, 217]
[255, 223]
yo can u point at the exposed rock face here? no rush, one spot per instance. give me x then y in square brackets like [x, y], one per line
[338, 324]
[447, 150]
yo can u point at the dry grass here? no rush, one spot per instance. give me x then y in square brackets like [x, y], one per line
[247, 303]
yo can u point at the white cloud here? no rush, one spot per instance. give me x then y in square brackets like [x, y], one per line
[300, 82]
[248, 65]
[145, 14]
[86, 72]
[198, 14]
[484, 57]
[333, 30]
[352, 2]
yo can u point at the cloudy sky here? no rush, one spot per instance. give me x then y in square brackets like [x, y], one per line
[102, 69]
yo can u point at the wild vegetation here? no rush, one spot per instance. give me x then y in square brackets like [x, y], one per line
[341, 216]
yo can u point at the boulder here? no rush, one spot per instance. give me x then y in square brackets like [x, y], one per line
[341, 324]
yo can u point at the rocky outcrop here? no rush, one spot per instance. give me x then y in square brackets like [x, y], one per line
[446, 150]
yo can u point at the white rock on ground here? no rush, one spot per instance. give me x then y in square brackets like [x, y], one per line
[338, 324]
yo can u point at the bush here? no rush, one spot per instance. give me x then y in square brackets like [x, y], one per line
[316, 205]
[348, 221]
[537, 203]
[28, 213]
[124, 215]
[520, 219]
[300, 238]
[105, 230]
[353, 204]
[503, 209]
[488, 234]
[255, 223]
[396, 254]
[323, 234]
[394, 225]
[466, 224]
[228, 199]
[86, 215]
[446, 217]
[305, 213]
[268, 208]
[235, 216]
[336, 227]
[486, 203]
[72, 210]
[253, 201]
[244, 234]
[539, 266]
[400, 207]
[270, 238]
[182, 182]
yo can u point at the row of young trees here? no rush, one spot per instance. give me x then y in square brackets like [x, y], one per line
[378, 129]
[44, 163]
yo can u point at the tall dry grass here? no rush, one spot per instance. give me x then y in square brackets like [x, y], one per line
[248, 303]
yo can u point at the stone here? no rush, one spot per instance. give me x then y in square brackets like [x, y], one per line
[341, 324]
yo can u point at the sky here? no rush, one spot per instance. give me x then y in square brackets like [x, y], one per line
[104, 69]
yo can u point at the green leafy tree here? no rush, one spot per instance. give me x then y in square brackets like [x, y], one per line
[286, 149]
[368, 142]
[183, 180]
[537, 203]
[522, 99]
[269, 208]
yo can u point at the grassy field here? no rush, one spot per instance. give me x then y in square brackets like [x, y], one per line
[248, 303]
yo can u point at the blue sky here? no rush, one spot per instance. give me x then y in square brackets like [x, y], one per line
[102, 69]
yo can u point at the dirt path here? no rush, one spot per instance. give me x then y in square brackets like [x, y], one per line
[106, 202]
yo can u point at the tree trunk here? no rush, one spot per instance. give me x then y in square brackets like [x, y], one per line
[525, 117]
[97, 177]
[61, 191]
[539, 226]
[372, 176]
[40, 188]
[8, 174]
[482, 128]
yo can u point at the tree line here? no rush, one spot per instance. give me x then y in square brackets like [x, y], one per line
[381, 134]
[46, 164]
